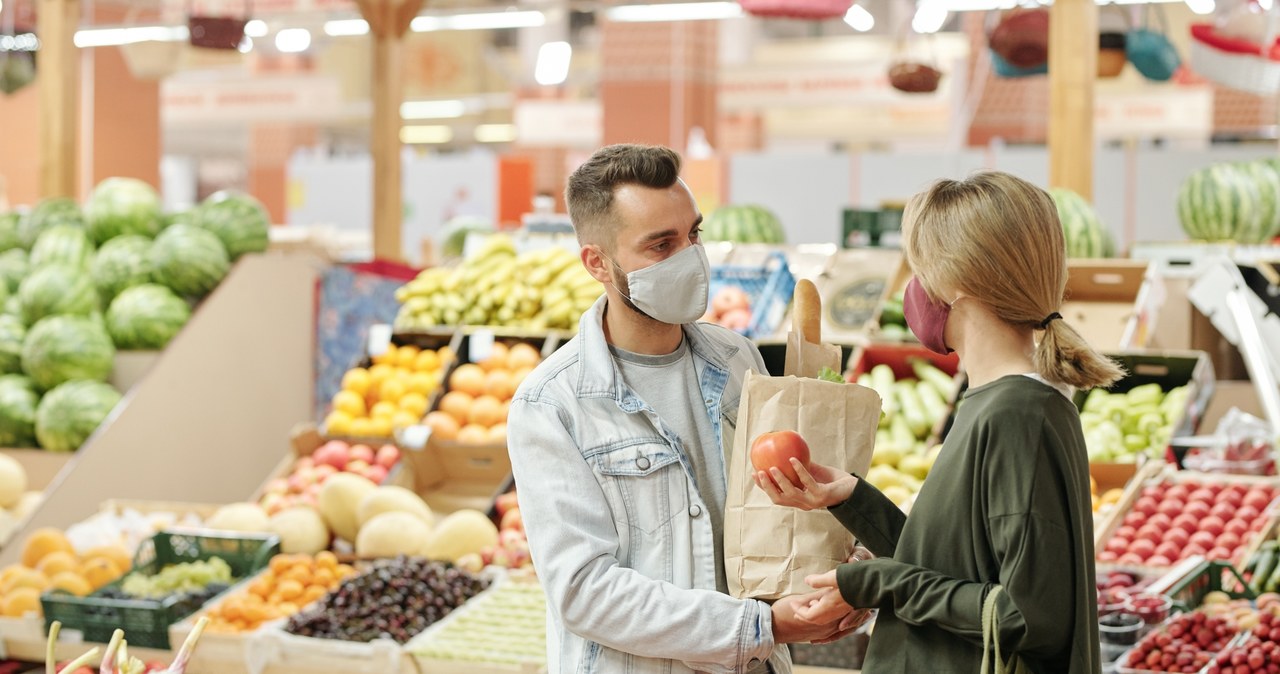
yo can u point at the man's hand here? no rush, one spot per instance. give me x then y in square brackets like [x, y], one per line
[788, 628]
[820, 486]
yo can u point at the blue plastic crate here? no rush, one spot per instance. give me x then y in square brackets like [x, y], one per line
[769, 286]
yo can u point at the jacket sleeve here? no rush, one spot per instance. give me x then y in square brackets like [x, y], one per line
[574, 544]
[872, 518]
[1033, 613]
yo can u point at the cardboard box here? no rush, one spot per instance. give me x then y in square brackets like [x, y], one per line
[1229, 394]
[1102, 302]
[899, 357]
[1169, 369]
[853, 293]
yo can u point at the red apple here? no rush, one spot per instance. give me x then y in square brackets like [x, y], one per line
[1193, 550]
[362, 453]
[334, 453]
[505, 502]
[512, 520]
[1257, 498]
[1130, 558]
[1126, 532]
[376, 473]
[388, 456]
[1187, 523]
[1178, 491]
[775, 450]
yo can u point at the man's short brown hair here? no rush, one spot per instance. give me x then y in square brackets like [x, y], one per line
[589, 194]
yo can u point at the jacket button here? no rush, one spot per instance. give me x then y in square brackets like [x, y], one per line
[642, 463]
[695, 510]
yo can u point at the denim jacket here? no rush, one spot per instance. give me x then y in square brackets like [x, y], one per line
[618, 531]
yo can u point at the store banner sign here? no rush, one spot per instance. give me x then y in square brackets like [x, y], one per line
[852, 83]
[250, 99]
[1167, 111]
[559, 123]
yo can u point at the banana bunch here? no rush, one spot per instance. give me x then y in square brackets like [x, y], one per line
[539, 290]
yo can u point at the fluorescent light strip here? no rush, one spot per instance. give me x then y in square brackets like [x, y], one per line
[685, 11]
[495, 133]
[446, 109]
[293, 40]
[859, 19]
[114, 37]
[553, 63]
[346, 27]
[256, 28]
[485, 21]
[431, 134]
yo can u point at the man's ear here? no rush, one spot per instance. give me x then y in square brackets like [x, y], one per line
[596, 264]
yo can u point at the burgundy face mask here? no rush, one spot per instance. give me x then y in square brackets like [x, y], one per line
[926, 318]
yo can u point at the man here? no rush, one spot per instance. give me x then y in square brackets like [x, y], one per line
[619, 444]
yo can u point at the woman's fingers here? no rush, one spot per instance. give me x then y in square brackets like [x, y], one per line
[822, 580]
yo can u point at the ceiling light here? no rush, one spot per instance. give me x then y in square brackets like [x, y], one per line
[495, 133]
[447, 109]
[1201, 6]
[256, 28]
[346, 27]
[484, 21]
[553, 63]
[246, 45]
[19, 42]
[414, 135]
[685, 11]
[929, 18]
[859, 19]
[293, 40]
[114, 37]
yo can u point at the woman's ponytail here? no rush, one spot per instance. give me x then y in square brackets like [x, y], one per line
[1064, 356]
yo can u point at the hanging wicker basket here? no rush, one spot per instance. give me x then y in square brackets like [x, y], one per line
[811, 10]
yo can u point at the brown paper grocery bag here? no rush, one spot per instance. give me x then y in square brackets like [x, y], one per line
[769, 549]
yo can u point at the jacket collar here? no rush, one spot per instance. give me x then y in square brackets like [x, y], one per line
[598, 373]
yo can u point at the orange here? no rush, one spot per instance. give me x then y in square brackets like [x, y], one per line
[313, 592]
[42, 543]
[498, 433]
[280, 563]
[497, 358]
[404, 419]
[486, 411]
[349, 402]
[115, 553]
[427, 361]
[378, 374]
[290, 589]
[472, 434]
[443, 426]
[71, 582]
[468, 379]
[21, 602]
[56, 562]
[28, 578]
[383, 408]
[392, 390]
[362, 428]
[326, 560]
[424, 383]
[518, 376]
[499, 384]
[446, 355]
[261, 588]
[457, 405]
[383, 427]
[100, 571]
[522, 356]
[326, 577]
[338, 423]
[388, 357]
[407, 356]
[356, 380]
[415, 404]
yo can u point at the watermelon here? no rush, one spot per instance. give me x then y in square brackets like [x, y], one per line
[12, 307]
[187, 217]
[46, 214]
[70, 413]
[1267, 176]
[1222, 203]
[57, 289]
[122, 262]
[146, 317]
[239, 221]
[9, 231]
[18, 400]
[189, 260]
[458, 229]
[13, 268]
[1083, 232]
[743, 224]
[62, 244]
[61, 348]
[121, 206]
[12, 335]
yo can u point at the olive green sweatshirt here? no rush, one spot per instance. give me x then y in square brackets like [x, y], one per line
[1007, 503]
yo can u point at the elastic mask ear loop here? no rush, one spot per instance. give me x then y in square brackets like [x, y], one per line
[619, 268]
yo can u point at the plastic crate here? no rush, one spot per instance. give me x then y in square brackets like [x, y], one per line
[1189, 593]
[147, 621]
[769, 286]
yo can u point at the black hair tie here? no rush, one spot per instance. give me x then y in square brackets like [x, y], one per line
[1044, 325]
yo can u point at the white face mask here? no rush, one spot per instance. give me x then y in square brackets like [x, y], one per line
[673, 291]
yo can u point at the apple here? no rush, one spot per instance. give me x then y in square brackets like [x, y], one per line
[1186, 523]
[505, 502]
[520, 558]
[273, 503]
[1130, 558]
[1233, 496]
[323, 471]
[334, 453]
[357, 466]
[387, 457]
[304, 463]
[513, 539]
[299, 481]
[277, 486]
[512, 520]
[1127, 533]
[1178, 491]
[1193, 550]
[362, 453]
[376, 473]
[775, 450]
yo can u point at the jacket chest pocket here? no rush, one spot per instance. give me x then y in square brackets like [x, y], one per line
[647, 481]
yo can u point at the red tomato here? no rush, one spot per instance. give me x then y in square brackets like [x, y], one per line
[775, 450]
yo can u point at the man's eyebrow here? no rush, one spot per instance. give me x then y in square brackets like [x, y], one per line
[657, 236]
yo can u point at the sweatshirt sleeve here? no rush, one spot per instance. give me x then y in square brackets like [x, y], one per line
[872, 518]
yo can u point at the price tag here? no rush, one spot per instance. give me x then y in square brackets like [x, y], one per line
[379, 339]
[414, 437]
[481, 345]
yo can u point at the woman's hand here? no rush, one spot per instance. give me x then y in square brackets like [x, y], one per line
[820, 486]
[827, 605]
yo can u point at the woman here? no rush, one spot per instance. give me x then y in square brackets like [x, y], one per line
[1004, 521]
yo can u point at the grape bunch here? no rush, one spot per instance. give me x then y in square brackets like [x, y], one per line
[206, 576]
[396, 599]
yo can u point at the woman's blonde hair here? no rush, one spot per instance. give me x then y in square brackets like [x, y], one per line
[996, 238]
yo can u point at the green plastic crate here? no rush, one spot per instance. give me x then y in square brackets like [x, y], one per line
[1189, 592]
[146, 621]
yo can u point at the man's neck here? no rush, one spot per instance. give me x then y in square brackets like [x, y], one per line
[630, 331]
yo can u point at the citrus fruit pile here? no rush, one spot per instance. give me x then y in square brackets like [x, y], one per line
[393, 392]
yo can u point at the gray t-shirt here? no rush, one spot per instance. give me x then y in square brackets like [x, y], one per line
[669, 384]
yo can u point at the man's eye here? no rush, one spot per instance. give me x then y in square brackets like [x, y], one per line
[696, 234]
[662, 247]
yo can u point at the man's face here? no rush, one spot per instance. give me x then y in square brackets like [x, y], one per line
[652, 225]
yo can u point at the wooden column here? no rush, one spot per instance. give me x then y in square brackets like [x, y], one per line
[1073, 66]
[388, 22]
[59, 81]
